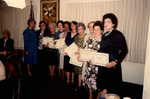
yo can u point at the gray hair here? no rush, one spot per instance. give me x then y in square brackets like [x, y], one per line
[80, 24]
[53, 24]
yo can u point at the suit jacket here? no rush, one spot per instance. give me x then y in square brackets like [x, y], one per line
[9, 45]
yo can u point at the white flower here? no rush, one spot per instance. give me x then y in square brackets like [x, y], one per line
[90, 45]
[96, 69]
[45, 13]
[49, 9]
[50, 14]
[98, 46]
[89, 69]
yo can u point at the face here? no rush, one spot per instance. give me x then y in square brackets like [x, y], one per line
[52, 28]
[5, 35]
[80, 30]
[31, 24]
[42, 26]
[108, 24]
[66, 27]
[73, 26]
[60, 26]
[91, 27]
[97, 31]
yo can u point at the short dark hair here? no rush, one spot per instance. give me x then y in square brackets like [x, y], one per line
[41, 23]
[74, 22]
[112, 17]
[68, 23]
[31, 20]
[60, 21]
[100, 24]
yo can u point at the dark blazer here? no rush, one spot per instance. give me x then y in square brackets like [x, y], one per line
[115, 45]
[39, 31]
[9, 45]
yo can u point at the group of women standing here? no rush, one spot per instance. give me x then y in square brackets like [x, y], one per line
[95, 78]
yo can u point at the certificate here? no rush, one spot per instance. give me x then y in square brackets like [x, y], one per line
[61, 50]
[100, 59]
[46, 40]
[60, 43]
[85, 54]
[74, 60]
[70, 50]
[51, 44]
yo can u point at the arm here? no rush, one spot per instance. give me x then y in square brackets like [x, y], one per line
[26, 41]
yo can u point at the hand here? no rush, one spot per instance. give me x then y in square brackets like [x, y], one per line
[79, 59]
[27, 53]
[93, 50]
[4, 53]
[64, 44]
[111, 64]
[58, 52]
[55, 42]
[91, 63]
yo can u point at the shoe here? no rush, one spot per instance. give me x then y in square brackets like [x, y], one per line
[77, 88]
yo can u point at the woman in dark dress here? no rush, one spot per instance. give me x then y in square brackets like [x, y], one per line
[69, 67]
[30, 45]
[42, 32]
[113, 43]
[6, 43]
[51, 53]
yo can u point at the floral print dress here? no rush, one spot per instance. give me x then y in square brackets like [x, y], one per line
[91, 71]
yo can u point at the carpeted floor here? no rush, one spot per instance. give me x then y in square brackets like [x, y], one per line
[43, 87]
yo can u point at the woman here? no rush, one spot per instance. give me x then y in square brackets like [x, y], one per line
[91, 71]
[30, 45]
[91, 34]
[6, 43]
[113, 43]
[60, 25]
[79, 40]
[40, 34]
[51, 53]
[63, 36]
[69, 67]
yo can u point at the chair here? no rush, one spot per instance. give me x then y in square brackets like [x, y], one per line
[16, 59]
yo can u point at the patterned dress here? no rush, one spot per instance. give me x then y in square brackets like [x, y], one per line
[91, 71]
[79, 42]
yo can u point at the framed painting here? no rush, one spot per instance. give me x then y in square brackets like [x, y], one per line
[49, 11]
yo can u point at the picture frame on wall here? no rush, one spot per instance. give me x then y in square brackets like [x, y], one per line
[49, 11]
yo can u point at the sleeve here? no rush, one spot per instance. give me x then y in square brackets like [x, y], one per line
[123, 48]
[11, 45]
[26, 41]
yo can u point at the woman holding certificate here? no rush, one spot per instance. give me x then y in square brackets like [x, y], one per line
[113, 43]
[91, 71]
[79, 41]
[69, 40]
[51, 56]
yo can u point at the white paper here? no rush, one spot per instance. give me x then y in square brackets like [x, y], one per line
[100, 59]
[60, 43]
[46, 40]
[70, 50]
[51, 44]
[61, 50]
[85, 54]
[74, 60]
